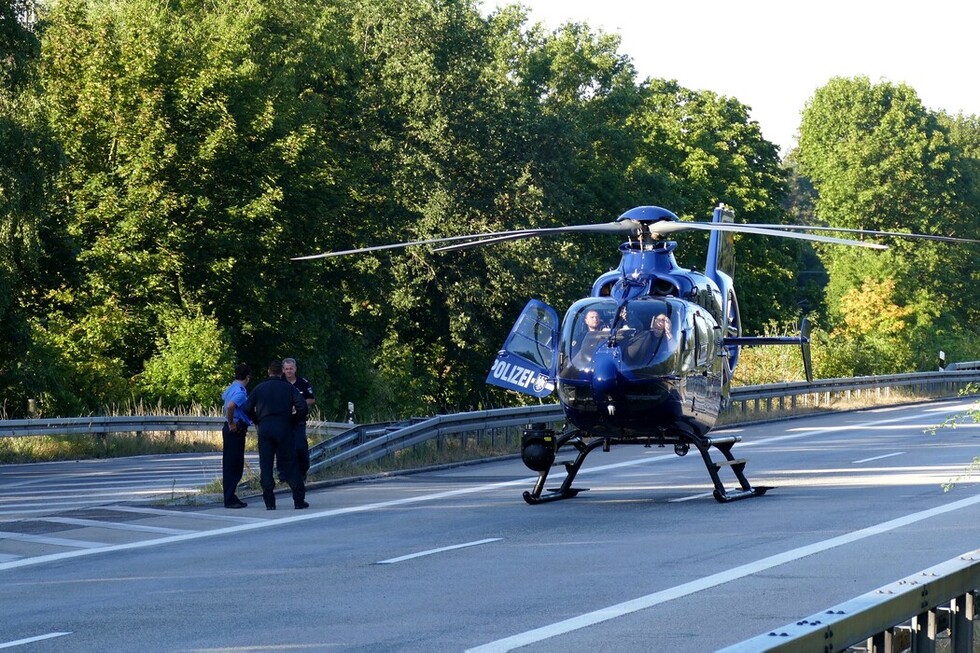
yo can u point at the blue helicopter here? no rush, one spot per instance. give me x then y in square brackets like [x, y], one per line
[648, 357]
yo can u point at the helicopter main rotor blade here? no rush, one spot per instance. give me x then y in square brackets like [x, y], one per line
[664, 228]
[487, 238]
[625, 227]
[378, 248]
[620, 227]
[870, 232]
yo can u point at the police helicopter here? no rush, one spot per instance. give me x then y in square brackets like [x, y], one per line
[648, 357]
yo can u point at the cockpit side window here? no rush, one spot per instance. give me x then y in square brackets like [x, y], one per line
[586, 327]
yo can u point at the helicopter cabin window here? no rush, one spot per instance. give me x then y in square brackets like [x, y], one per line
[644, 334]
[702, 340]
[532, 338]
[586, 327]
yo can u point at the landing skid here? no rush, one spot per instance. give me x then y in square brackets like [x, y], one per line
[584, 443]
[566, 491]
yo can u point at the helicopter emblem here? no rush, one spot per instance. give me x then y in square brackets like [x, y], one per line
[648, 357]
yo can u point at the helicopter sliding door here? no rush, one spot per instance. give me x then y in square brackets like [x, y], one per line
[527, 361]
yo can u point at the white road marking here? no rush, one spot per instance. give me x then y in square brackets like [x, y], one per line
[650, 600]
[26, 508]
[54, 541]
[30, 640]
[439, 550]
[119, 526]
[691, 498]
[887, 455]
[268, 523]
[159, 512]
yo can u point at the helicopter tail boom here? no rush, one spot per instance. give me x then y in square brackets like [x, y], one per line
[803, 340]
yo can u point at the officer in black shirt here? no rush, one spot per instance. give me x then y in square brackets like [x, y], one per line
[305, 389]
[274, 405]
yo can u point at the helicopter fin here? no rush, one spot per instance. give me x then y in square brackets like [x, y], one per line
[805, 348]
[529, 359]
[721, 246]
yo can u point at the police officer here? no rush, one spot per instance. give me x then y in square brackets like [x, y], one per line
[274, 405]
[299, 429]
[233, 436]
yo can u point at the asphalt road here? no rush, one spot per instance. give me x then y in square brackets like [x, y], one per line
[454, 560]
[47, 488]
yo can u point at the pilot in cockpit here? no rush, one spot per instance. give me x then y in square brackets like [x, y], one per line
[593, 320]
[660, 326]
[586, 344]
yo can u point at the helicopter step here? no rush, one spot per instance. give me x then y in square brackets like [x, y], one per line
[539, 447]
[737, 465]
[740, 462]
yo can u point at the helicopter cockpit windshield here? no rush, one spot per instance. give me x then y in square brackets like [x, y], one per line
[646, 331]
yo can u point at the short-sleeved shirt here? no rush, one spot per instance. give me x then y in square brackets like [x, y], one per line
[236, 393]
[304, 386]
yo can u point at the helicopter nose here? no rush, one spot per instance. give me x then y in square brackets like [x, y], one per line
[604, 378]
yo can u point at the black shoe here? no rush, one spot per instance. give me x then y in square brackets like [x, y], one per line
[301, 505]
[237, 503]
[270, 507]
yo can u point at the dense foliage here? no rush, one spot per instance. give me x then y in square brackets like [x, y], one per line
[161, 163]
[878, 159]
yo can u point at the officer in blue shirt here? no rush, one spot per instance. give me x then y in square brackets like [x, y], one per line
[233, 436]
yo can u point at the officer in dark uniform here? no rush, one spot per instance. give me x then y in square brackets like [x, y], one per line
[274, 405]
[306, 389]
[233, 436]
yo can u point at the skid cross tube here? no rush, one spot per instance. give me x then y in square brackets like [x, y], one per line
[584, 444]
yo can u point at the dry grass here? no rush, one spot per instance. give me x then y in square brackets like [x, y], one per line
[47, 448]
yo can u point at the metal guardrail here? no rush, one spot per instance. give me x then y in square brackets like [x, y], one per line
[101, 426]
[909, 613]
[346, 444]
[371, 442]
[824, 391]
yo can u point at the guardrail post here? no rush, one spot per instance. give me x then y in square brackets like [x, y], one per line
[883, 642]
[962, 626]
[924, 632]
[103, 442]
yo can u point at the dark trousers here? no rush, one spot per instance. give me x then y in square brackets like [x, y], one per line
[279, 446]
[232, 459]
[302, 449]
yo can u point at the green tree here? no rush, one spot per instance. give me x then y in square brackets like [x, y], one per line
[879, 160]
[191, 362]
[29, 159]
[200, 141]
